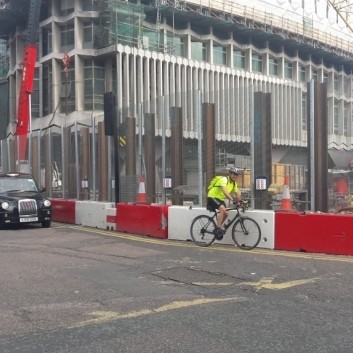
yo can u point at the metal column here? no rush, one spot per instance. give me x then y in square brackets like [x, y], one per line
[176, 122]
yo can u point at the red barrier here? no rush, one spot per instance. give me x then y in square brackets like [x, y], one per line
[151, 220]
[111, 219]
[64, 210]
[314, 232]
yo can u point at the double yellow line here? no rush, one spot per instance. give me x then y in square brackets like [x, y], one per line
[224, 248]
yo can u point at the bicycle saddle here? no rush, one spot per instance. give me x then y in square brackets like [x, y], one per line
[211, 209]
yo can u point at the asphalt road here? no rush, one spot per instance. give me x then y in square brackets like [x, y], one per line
[70, 289]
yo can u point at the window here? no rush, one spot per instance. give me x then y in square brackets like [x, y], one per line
[198, 51]
[151, 40]
[288, 70]
[175, 45]
[47, 89]
[304, 112]
[46, 41]
[273, 67]
[114, 81]
[239, 59]
[335, 116]
[336, 84]
[68, 89]
[219, 55]
[35, 96]
[90, 31]
[66, 7]
[256, 63]
[347, 119]
[94, 84]
[347, 87]
[314, 75]
[90, 5]
[67, 38]
[302, 74]
[4, 59]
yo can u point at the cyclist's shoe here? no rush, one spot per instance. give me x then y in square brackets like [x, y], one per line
[219, 232]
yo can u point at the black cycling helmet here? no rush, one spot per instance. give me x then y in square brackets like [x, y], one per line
[234, 170]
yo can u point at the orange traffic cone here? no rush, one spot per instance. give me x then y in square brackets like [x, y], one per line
[286, 202]
[141, 195]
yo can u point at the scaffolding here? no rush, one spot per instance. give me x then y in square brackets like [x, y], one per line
[127, 23]
[139, 25]
[301, 29]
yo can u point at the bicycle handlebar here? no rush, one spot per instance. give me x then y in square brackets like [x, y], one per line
[240, 204]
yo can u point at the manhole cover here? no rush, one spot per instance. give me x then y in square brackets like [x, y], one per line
[197, 277]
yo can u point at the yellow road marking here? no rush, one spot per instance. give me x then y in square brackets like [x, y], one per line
[108, 316]
[217, 247]
[266, 283]
[209, 284]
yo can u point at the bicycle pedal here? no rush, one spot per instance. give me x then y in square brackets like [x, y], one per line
[219, 232]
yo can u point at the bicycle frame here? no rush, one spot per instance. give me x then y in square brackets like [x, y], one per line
[229, 221]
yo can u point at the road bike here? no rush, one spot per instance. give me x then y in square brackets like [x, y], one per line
[246, 232]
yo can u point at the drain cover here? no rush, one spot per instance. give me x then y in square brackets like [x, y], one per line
[196, 277]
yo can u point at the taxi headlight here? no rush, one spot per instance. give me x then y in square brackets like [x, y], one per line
[47, 203]
[5, 205]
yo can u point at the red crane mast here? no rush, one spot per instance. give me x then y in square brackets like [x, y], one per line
[28, 69]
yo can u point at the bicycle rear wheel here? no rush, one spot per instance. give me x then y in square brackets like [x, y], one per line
[246, 233]
[202, 230]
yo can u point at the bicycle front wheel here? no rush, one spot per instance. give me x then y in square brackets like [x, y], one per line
[202, 230]
[246, 233]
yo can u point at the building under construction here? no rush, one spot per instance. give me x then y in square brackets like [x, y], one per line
[160, 55]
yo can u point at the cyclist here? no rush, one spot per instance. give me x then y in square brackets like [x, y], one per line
[224, 188]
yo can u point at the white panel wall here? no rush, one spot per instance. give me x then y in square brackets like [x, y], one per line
[180, 218]
[92, 214]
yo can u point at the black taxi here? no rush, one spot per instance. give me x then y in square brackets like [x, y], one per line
[22, 202]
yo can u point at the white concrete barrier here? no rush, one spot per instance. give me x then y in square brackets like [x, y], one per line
[180, 218]
[92, 213]
[266, 221]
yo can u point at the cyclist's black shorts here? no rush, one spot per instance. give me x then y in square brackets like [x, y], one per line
[214, 204]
